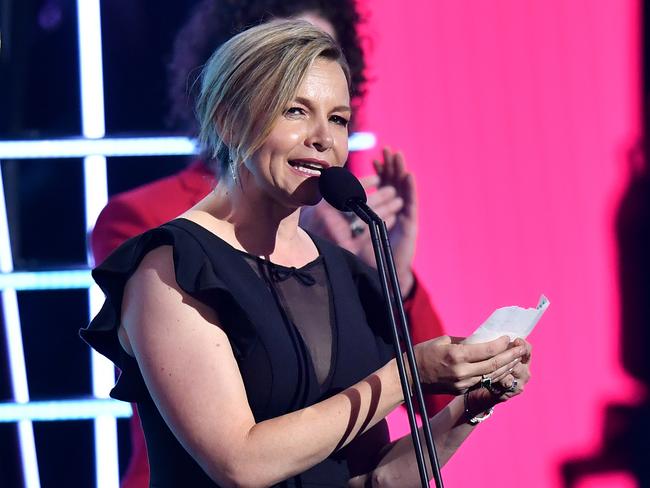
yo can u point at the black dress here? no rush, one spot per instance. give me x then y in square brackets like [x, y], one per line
[280, 366]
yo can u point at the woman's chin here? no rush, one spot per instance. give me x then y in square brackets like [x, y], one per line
[308, 193]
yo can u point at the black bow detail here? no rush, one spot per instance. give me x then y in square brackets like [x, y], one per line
[282, 273]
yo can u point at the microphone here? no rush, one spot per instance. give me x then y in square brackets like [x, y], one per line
[341, 189]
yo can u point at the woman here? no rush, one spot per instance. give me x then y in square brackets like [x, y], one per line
[254, 350]
[211, 23]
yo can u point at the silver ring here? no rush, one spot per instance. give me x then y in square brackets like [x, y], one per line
[486, 381]
[512, 387]
[356, 227]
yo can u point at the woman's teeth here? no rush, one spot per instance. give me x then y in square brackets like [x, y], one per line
[309, 170]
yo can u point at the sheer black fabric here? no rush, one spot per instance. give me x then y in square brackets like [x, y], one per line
[304, 298]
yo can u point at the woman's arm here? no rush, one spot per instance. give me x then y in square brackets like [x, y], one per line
[190, 370]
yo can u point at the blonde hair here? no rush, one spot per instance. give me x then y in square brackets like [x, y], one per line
[247, 83]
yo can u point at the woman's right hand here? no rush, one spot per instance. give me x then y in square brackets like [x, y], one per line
[447, 366]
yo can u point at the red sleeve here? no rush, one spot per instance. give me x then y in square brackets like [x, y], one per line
[117, 222]
[425, 324]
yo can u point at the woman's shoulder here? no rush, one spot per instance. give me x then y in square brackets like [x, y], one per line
[181, 235]
[180, 246]
[178, 258]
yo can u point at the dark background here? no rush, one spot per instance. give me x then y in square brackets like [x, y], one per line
[39, 99]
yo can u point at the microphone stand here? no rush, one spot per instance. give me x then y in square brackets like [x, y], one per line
[386, 270]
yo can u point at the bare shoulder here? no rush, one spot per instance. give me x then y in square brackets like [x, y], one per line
[153, 295]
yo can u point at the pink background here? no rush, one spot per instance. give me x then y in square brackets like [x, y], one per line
[516, 117]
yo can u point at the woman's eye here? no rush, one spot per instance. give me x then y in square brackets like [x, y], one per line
[337, 119]
[294, 111]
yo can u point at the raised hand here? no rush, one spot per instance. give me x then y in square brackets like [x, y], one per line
[394, 201]
[402, 223]
[327, 222]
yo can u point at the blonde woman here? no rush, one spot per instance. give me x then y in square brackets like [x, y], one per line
[255, 351]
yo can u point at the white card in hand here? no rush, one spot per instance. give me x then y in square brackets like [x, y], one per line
[511, 321]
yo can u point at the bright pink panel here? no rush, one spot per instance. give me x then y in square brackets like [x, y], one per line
[516, 117]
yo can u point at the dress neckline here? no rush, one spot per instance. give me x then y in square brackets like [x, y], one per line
[310, 264]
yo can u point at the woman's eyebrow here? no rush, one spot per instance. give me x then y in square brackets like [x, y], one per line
[307, 102]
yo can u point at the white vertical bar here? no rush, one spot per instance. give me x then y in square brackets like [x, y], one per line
[15, 352]
[95, 191]
[96, 196]
[28, 453]
[90, 68]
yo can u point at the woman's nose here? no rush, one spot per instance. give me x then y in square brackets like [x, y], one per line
[320, 136]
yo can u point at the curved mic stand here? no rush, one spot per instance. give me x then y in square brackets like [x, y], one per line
[386, 270]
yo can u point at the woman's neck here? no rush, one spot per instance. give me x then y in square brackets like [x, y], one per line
[250, 220]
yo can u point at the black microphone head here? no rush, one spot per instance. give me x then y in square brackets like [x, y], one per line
[339, 187]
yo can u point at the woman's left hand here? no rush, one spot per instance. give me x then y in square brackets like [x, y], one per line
[514, 382]
[508, 385]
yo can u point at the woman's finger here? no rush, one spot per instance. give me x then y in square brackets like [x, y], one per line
[495, 363]
[504, 371]
[389, 165]
[379, 168]
[381, 196]
[529, 348]
[474, 353]
[370, 181]
[389, 209]
[522, 372]
[399, 166]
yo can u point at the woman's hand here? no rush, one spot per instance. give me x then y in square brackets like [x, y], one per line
[513, 382]
[403, 223]
[505, 386]
[446, 366]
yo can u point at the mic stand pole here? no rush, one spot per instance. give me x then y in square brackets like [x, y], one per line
[382, 249]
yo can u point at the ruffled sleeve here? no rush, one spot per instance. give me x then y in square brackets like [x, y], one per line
[195, 274]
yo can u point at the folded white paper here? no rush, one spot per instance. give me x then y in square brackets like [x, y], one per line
[511, 321]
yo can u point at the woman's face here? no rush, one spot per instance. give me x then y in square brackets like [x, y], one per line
[309, 136]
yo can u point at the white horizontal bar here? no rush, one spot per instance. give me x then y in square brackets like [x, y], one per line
[126, 146]
[81, 147]
[64, 410]
[361, 141]
[46, 280]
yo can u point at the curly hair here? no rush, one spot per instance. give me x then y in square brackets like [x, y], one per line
[213, 22]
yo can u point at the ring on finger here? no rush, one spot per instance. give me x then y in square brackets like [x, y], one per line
[512, 387]
[356, 226]
[486, 381]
